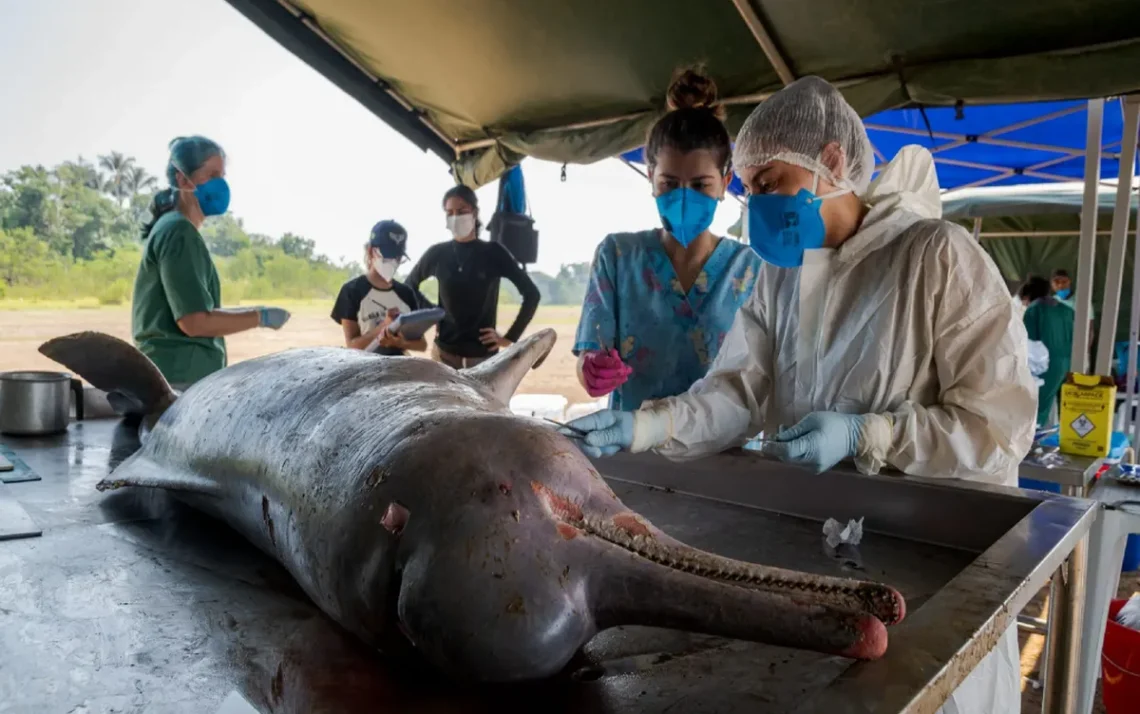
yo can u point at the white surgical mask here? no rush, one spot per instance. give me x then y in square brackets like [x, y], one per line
[384, 267]
[461, 225]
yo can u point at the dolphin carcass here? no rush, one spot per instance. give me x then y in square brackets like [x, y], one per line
[415, 509]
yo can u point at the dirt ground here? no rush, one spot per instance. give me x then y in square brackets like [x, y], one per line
[22, 331]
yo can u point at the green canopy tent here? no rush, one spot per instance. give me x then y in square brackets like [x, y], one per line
[485, 84]
[1035, 229]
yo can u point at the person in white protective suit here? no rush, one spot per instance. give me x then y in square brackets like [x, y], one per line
[881, 332]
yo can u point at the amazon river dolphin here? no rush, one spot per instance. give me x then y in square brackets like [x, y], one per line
[415, 509]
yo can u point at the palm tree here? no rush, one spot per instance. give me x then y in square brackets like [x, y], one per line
[91, 176]
[119, 168]
[139, 181]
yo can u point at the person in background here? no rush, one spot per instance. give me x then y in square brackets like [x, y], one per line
[469, 271]
[1049, 321]
[367, 304]
[881, 332]
[660, 301]
[177, 317]
[1062, 286]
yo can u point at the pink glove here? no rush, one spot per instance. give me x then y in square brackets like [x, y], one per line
[604, 372]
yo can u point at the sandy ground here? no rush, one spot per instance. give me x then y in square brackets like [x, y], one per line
[22, 331]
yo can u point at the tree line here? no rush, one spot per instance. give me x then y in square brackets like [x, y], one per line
[72, 232]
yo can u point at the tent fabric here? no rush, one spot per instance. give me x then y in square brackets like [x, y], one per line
[1028, 202]
[582, 81]
[958, 136]
[958, 140]
[1040, 210]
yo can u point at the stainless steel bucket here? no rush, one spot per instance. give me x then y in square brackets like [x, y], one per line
[38, 403]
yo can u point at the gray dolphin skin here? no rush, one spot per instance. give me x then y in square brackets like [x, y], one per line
[421, 515]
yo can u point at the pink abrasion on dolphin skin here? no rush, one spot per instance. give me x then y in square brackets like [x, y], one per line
[426, 519]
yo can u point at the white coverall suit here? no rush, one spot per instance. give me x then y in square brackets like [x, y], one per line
[908, 318]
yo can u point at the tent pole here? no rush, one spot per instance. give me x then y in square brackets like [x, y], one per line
[1114, 272]
[1080, 356]
[629, 163]
[760, 32]
[314, 27]
[977, 229]
[1006, 172]
[990, 137]
[1133, 345]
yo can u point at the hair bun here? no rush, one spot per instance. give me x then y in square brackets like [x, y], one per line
[692, 88]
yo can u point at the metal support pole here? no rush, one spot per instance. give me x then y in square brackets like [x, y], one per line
[977, 229]
[1034, 625]
[1080, 356]
[764, 39]
[1063, 643]
[1133, 427]
[1114, 270]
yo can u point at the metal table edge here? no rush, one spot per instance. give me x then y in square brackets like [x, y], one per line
[926, 690]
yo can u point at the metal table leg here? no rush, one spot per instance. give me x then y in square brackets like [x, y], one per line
[1107, 541]
[1066, 616]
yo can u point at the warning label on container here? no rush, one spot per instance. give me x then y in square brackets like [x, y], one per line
[1082, 425]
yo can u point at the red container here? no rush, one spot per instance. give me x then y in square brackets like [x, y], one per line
[1120, 665]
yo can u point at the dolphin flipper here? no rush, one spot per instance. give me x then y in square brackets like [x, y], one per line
[143, 472]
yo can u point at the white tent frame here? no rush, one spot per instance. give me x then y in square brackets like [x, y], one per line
[993, 138]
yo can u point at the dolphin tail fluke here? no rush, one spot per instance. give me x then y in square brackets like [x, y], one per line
[114, 366]
[502, 373]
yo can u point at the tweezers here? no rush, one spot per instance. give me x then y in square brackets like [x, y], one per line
[575, 432]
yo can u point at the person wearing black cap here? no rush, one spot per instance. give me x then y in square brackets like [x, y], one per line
[368, 304]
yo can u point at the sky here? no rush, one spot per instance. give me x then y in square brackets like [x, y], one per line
[83, 78]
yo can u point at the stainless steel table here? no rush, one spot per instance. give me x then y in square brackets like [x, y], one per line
[132, 602]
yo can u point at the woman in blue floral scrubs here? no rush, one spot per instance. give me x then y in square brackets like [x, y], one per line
[660, 301]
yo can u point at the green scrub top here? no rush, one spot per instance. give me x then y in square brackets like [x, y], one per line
[176, 277]
[1050, 321]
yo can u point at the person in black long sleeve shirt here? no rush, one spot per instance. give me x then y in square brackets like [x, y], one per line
[469, 271]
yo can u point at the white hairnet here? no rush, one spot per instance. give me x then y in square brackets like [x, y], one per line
[796, 123]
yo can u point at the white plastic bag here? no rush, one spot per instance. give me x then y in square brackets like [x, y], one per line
[1038, 358]
[1129, 615]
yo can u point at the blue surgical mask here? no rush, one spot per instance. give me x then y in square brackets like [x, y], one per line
[1064, 294]
[686, 213]
[780, 228]
[213, 196]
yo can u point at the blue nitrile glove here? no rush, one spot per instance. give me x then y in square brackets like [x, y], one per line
[273, 317]
[606, 432]
[821, 440]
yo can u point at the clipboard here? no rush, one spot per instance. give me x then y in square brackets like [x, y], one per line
[412, 325]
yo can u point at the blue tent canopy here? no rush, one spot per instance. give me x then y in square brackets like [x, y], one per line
[992, 145]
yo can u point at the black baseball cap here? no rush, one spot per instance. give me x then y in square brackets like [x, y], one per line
[390, 239]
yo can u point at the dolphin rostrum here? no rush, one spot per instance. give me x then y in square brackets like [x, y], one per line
[416, 510]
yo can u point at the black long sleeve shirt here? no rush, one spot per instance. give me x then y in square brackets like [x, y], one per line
[468, 275]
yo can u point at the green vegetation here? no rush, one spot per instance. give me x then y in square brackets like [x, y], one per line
[72, 233]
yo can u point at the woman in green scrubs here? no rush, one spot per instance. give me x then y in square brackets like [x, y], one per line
[177, 317]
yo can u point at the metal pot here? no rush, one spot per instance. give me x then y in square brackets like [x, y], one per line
[38, 403]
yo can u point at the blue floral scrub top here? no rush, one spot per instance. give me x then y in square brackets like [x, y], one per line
[635, 303]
